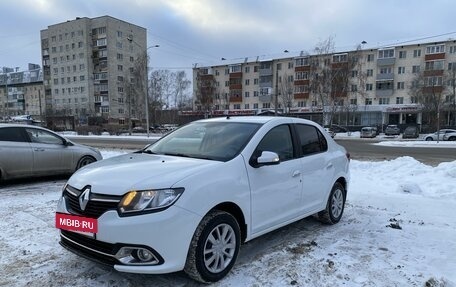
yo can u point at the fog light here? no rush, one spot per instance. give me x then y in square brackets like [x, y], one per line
[144, 255]
[136, 256]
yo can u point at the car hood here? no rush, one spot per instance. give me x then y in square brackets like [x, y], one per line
[137, 171]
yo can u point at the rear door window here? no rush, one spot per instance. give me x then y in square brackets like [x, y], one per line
[12, 134]
[311, 139]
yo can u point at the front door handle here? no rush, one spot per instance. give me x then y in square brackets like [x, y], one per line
[329, 166]
[296, 173]
[39, 149]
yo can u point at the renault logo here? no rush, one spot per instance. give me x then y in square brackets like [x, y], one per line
[84, 198]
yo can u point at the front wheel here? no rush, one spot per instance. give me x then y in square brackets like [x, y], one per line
[85, 160]
[452, 138]
[214, 247]
[335, 205]
[429, 139]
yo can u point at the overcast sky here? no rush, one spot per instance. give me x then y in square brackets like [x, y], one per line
[204, 31]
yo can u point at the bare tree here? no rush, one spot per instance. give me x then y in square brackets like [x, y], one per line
[286, 95]
[181, 85]
[205, 90]
[427, 89]
[451, 75]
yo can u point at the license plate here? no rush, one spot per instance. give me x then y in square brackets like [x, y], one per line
[76, 223]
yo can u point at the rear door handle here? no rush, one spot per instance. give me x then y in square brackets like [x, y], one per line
[296, 173]
[39, 149]
[329, 166]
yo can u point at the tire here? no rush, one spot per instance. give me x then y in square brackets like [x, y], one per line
[429, 139]
[203, 262]
[335, 205]
[85, 160]
[452, 138]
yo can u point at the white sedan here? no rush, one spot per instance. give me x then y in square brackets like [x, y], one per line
[441, 135]
[188, 201]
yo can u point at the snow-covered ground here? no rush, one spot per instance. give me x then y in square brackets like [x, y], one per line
[398, 229]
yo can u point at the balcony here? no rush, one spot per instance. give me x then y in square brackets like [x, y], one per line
[301, 82]
[235, 98]
[384, 93]
[299, 96]
[235, 75]
[433, 90]
[386, 61]
[431, 73]
[265, 98]
[385, 76]
[302, 69]
[266, 72]
[431, 57]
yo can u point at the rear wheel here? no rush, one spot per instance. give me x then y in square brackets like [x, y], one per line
[85, 160]
[214, 247]
[335, 205]
[452, 138]
[429, 139]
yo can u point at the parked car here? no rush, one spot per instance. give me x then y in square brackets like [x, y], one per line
[392, 130]
[330, 132]
[337, 128]
[411, 132]
[450, 136]
[188, 201]
[368, 132]
[441, 133]
[27, 151]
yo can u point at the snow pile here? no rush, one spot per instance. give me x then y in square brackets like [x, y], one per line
[398, 229]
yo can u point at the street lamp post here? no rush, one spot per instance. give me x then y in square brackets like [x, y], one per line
[146, 96]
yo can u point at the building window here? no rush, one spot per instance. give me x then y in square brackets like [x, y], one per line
[435, 49]
[247, 82]
[385, 54]
[399, 100]
[217, 72]
[227, 71]
[237, 106]
[255, 81]
[266, 105]
[415, 69]
[235, 68]
[354, 73]
[255, 105]
[119, 34]
[370, 57]
[400, 85]
[119, 57]
[246, 94]
[386, 70]
[246, 106]
[353, 102]
[290, 79]
[370, 72]
[255, 69]
[302, 104]
[354, 88]
[340, 58]
[302, 62]
[290, 65]
[279, 66]
[255, 93]
[417, 53]
[402, 54]
[368, 101]
[247, 69]
[401, 70]
[119, 68]
[301, 75]
[369, 87]
[434, 65]
[383, 101]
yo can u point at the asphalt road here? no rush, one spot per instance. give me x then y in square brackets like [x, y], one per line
[366, 150]
[358, 149]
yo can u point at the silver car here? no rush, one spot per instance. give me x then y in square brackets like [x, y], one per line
[441, 133]
[27, 151]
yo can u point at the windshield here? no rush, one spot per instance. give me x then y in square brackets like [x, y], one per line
[207, 140]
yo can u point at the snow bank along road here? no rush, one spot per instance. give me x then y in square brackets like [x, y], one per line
[399, 229]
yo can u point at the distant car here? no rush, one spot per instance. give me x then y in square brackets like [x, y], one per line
[411, 132]
[392, 130]
[189, 200]
[27, 151]
[450, 136]
[337, 128]
[368, 132]
[442, 132]
[330, 132]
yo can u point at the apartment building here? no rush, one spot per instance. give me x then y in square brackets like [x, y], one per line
[365, 86]
[22, 92]
[90, 65]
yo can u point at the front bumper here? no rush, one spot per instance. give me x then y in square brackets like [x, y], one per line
[167, 234]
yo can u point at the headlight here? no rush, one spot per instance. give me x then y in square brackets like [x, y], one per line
[145, 201]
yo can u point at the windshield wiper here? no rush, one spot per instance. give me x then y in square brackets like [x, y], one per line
[177, 154]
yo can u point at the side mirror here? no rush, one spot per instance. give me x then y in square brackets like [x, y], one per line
[266, 158]
[67, 142]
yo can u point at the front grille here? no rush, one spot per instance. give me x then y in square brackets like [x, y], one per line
[89, 248]
[97, 205]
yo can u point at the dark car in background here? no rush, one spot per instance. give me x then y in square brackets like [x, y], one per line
[411, 132]
[392, 130]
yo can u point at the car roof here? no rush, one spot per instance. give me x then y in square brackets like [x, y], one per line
[2, 125]
[255, 119]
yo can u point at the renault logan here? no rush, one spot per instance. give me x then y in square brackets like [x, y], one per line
[188, 201]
